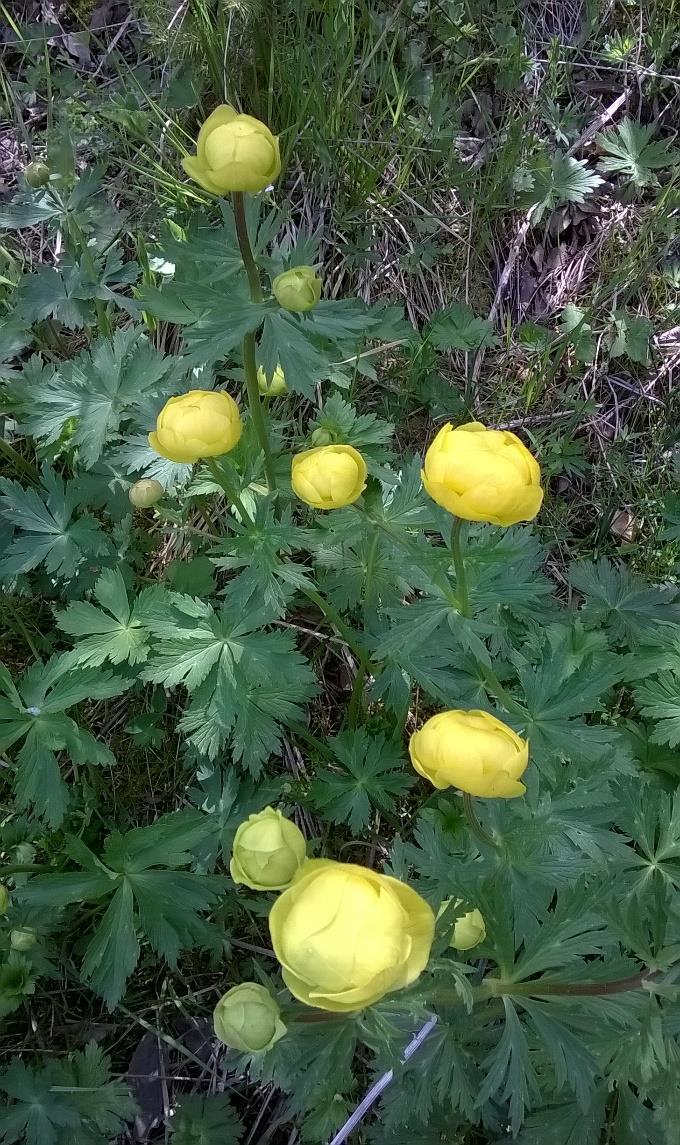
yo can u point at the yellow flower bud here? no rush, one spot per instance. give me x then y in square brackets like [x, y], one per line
[145, 493]
[483, 475]
[297, 289]
[202, 423]
[247, 1018]
[469, 930]
[23, 938]
[321, 437]
[346, 935]
[470, 750]
[4, 899]
[234, 153]
[37, 174]
[267, 851]
[273, 387]
[329, 476]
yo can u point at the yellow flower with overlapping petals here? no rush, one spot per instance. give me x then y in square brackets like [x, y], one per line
[267, 851]
[201, 423]
[471, 750]
[329, 476]
[483, 474]
[297, 289]
[346, 936]
[234, 153]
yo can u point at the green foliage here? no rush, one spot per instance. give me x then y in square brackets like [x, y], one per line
[139, 876]
[631, 151]
[555, 180]
[206, 1121]
[368, 773]
[64, 1100]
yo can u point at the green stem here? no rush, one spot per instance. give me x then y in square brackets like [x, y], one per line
[231, 494]
[567, 989]
[334, 618]
[249, 358]
[355, 700]
[20, 464]
[494, 686]
[245, 247]
[459, 565]
[22, 869]
[474, 824]
[19, 621]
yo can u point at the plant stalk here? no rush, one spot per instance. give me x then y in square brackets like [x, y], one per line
[249, 358]
[459, 565]
[355, 700]
[475, 826]
[231, 494]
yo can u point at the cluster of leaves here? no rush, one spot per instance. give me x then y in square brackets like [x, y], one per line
[580, 884]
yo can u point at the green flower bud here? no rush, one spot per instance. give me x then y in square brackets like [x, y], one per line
[23, 938]
[4, 899]
[321, 437]
[145, 493]
[273, 387]
[297, 289]
[247, 1018]
[469, 930]
[267, 851]
[37, 174]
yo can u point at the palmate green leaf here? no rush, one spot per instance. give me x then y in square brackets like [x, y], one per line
[630, 335]
[145, 894]
[117, 631]
[623, 602]
[631, 150]
[565, 1124]
[578, 332]
[288, 342]
[574, 1065]
[99, 390]
[214, 318]
[229, 799]
[67, 1100]
[63, 294]
[370, 772]
[206, 1120]
[458, 328]
[262, 553]
[37, 1114]
[341, 420]
[510, 1076]
[555, 696]
[245, 682]
[48, 529]
[557, 179]
[652, 819]
[35, 713]
[659, 700]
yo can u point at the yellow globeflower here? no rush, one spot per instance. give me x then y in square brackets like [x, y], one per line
[145, 493]
[346, 935]
[469, 930]
[272, 387]
[470, 750]
[234, 153]
[267, 851]
[483, 474]
[297, 289]
[329, 476]
[202, 423]
[247, 1018]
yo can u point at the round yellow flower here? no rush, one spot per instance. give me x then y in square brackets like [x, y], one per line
[234, 153]
[329, 476]
[267, 851]
[483, 475]
[145, 493]
[297, 289]
[23, 938]
[346, 935]
[469, 930]
[202, 423]
[247, 1018]
[272, 387]
[473, 751]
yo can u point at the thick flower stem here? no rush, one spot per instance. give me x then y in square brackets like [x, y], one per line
[249, 359]
[474, 824]
[230, 493]
[355, 702]
[459, 565]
